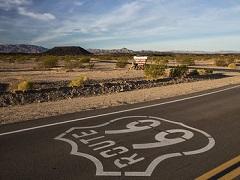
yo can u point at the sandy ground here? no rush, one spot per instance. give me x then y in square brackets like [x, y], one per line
[8, 77]
[40, 110]
[100, 71]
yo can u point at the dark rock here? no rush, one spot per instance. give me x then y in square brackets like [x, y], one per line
[90, 89]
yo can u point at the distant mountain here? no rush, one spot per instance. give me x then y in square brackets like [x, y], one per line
[68, 50]
[111, 51]
[150, 52]
[21, 48]
[206, 52]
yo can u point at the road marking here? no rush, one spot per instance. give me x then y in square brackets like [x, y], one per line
[117, 154]
[163, 141]
[118, 112]
[235, 173]
[228, 170]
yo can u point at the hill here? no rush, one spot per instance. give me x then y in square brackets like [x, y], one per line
[67, 50]
[21, 48]
[111, 51]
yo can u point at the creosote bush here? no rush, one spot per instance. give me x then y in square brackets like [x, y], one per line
[121, 63]
[179, 71]
[194, 72]
[70, 64]
[49, 61]
[154, 71]
[161, 60]
[185, 61]
[85, 60]
[78, 82]
[91, 65]
[221, 62]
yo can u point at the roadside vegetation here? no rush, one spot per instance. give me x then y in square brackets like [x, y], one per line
[185, 60]
[179, 71]
[78, 82]
[121, 63]
[154, 71]
[20, 85]
[157, 66]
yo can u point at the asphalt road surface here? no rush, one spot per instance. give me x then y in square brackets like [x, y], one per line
[176, 138]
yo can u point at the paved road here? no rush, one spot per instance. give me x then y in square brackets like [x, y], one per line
[176, 138]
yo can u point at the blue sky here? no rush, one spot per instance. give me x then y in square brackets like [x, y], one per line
[209, 25]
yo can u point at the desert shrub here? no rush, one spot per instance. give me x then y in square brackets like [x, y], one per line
[70, 64]
[232, 66]
[205, 71]
[221, 62]
[230, 60]
[179, 71]
[186, 61]
[85, 60]
[21, 86]
[22, 58]
[78, 82]
[91, 65]
[49, 61]
[209, 71]
[121, 63]
[154, 71]
[194, 72]
[161, 60]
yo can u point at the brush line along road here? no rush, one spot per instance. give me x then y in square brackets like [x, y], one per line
[176, 138]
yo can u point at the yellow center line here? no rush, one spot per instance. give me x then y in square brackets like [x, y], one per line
[219, 169]
[235, 173]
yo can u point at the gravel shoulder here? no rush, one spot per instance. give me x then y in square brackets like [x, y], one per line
[47, 109]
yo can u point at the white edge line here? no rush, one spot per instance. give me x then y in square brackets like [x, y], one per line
[117, 112]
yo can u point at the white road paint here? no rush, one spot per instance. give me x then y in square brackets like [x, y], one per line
[134, 127]
[98, 164]
[163, 141]
[117, 112]
[132, 159]
[153, 165]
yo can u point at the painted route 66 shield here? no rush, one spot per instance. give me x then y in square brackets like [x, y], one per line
[120, 146]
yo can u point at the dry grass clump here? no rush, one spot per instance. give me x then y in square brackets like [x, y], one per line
[232, 66]
[78, 82]
[22, 85]
[204, 72]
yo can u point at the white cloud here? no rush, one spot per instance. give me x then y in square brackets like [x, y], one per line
[150, 23]
[20, 6]
[38, 16]
[94, 24]
[10, 4]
